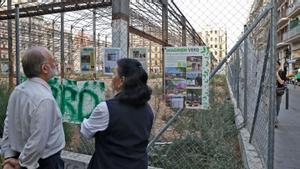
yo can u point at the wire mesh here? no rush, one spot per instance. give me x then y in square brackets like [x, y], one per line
[256, 51]
[190, 142]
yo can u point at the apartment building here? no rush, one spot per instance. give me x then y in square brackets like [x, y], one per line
[288, 31]
[216, 39]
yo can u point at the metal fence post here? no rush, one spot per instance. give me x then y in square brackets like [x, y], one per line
[183, 38]
[120, 22]
[29, 32]
[272, 83]
[10, 55]
[53, 35]
[238, 77]
[94, 42]
[234, 74]
[62, 47]
[164, 37]
[17, 44]
[245, 65]
[98, 47]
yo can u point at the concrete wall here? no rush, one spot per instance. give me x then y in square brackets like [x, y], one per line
[75, 160]
[79, 161]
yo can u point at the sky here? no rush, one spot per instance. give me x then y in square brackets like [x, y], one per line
[228, 14]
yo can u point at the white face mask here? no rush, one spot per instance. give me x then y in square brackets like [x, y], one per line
[52, 71]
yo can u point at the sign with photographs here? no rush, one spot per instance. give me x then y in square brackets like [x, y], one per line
[111, 55]
[139, 54]
[4, 66]
[187, 77]
[87, 59]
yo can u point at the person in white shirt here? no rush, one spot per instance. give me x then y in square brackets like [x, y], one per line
[33, 134]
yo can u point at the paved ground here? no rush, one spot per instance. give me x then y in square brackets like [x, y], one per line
[287, 135]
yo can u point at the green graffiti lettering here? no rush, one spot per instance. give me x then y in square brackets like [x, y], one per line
[76, 100]
[83, 92]
[69, 97]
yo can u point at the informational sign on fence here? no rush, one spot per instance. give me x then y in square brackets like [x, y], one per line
[139, 54]
[187, 77]
[4, 66]
[87, 59]
[111, 55]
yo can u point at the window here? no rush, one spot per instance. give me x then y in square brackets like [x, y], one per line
[216, 53]
[216, 46]
[211, 32]
[216, 32]
[216, 39]
[155, 55]
[211, 46]
[211, 39]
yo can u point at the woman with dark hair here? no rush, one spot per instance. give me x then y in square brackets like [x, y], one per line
[121, 126]
[280, 88]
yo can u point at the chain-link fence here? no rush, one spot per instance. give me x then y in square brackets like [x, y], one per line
[251, 76]
[180, 138]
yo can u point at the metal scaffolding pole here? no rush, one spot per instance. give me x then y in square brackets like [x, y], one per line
[62, 47]
[150, 57]
[10, 54]
[29, 32]
[245, 77]
[71, 58]
[183, 38]
[120, 24]
[17, 44]
[94, 43]
[98, 57]
[164, 37]
[238, 69]
[53, 34]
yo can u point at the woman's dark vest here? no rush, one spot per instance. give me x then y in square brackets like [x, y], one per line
[123, 144]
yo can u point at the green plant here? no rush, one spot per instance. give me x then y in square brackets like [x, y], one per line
[4, 95]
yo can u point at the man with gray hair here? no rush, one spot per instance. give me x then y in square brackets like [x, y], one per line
[33, 134]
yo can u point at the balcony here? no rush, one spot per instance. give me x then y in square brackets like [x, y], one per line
[292, 35]
[283, 19]
[294, 9]
[285, 36]
[281, 40]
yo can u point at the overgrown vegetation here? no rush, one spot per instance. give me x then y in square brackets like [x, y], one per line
[4, 95]
[202, 139]
[206, 139]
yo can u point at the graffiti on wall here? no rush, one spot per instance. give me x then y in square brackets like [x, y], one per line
[76, 99]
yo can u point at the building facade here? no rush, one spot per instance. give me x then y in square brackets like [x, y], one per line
[288, 31]
[216, 39]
